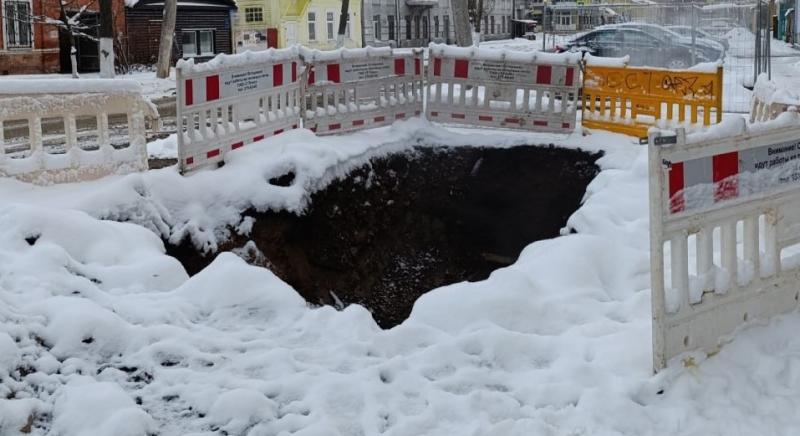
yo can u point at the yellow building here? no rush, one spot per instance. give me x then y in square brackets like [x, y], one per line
[282, 23]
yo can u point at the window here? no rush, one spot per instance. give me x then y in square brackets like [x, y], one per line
[252, 15]
[503, 23]
[17, 24]
[312, 26]
[417, 29]
[446, 19]
[485, 24]
[330, 19]
[425, 28]
[436, 26]
[564, 19]
[376, 22]
[408, 27]
[492, 18]
[198, 43]
[391, 28]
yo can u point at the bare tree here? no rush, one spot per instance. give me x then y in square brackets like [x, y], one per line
[461, 21]
[106, 51]
[478, 9]
[167, 35]
[344, 17]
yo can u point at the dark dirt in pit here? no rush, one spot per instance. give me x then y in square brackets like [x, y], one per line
[410, 222]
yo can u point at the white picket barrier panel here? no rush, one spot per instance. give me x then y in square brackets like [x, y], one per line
[234, 100]
[64, 131]
[724, 219]
[499, 88]
[358, 89]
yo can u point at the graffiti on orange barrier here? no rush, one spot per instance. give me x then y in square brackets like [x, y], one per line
[666, 84]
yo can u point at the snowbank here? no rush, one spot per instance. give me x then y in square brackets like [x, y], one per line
[68, 86]
[502, 54]
[108, 335]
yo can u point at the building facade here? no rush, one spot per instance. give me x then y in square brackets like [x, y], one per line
[416, 23]
[262, 24]
[202, 30]
[30, 45]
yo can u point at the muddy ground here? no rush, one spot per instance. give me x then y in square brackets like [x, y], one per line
[410, 222]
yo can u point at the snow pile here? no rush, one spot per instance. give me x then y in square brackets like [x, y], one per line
[69, 86]
[246, 59]
[103, 334]
[166, 148]
[502, 54]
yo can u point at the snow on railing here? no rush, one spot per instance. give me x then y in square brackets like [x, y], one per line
[770, 100]
[234, 100]
[59, 131]
[499, 88]
[356, 89]
[724, 226]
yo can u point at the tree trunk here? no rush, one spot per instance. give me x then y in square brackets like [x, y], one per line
[461, 22]
[167, 34]
[106, 40]
[343, 19]
[73, 59]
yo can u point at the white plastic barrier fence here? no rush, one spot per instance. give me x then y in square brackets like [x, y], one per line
[61, 131]
[770, 100]
[724, 221]
[499, 88]
[357, 89]
[231, 101]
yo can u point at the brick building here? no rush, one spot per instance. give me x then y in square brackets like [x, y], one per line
[27, 45]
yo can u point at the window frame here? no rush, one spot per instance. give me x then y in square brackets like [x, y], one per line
[198, 53]
[254, 14]
[392, 27]
[376, 27]
[311, 26]
[31, 34]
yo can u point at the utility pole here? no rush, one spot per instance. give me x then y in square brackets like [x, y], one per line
[106, 40]
[167, 34]
[343, 18]
[461, 22]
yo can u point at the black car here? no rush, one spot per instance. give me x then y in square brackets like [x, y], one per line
[643, 48]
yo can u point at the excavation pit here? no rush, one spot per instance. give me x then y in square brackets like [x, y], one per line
[409, 222]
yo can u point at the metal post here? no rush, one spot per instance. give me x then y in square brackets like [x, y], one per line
[544, 26]
[694, 27]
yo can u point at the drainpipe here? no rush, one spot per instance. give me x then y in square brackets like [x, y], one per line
[363, 40]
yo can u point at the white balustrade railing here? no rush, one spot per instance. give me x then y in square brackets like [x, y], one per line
[59, 131]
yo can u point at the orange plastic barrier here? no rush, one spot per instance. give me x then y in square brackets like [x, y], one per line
[630, 100]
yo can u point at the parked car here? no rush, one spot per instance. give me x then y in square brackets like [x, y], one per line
[699, 34]
[643, 48]
[711, 50]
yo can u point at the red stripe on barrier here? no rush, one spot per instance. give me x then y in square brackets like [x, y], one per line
[565, 125]
[212, 88]
[380, 119]
[311, 76]
[437, 66]
[277, 132]
[725, 171]
[485, 118]
[459, 116]
[461, 70]
[212, 153]
[434, 114]
[400, 67]
[277, 75]
[399, 116]
[417, 66]
[358, 122]
[336, 126]
[536, 123]
[333, 73]
[543, 73]
[570, 76]
[294, 72]
[239, 144]
[189, 91]
[294, 126]
[258, 138]
[313, 129]
[676, 200]
[189, 160]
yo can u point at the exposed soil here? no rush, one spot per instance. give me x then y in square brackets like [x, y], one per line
[411, 222]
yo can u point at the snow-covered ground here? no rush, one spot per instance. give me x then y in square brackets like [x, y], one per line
[101, 333]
